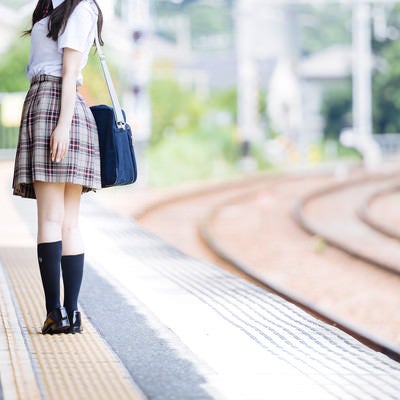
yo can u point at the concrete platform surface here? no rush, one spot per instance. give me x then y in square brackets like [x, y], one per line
[167, 326]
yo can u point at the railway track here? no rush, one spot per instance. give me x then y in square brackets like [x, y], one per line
[344, 228]
[382, 200]
[223, 222]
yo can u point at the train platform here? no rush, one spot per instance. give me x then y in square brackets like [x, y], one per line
[159, 324]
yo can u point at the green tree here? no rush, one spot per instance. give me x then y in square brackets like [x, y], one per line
[12, 67]
[385, 83]
[94, 86]
[225, 100]
[174, 109]
[205, 17]
[337, 109]
[386, 80]
[15, 3]
[192, 137]
[324, 25]
[386, 100]
[13, 72]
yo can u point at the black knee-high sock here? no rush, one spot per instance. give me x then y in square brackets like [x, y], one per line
[49, 257]
[72, 272]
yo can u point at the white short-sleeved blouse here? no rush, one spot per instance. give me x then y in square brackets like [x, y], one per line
[46, 55]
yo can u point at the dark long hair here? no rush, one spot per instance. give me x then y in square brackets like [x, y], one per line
[59, 17]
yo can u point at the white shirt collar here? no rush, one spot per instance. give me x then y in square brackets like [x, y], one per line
[56, 3]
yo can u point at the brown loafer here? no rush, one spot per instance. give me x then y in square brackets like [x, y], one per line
[56, 322]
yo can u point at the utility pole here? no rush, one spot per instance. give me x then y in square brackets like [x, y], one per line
[267, 30]
[362, 84]
[362, 69]
[136, 99]
[247, 79]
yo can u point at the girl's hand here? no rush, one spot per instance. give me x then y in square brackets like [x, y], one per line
[59, 142]
[59, 139]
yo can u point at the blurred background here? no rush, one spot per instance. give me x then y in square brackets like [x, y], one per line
[215, 88]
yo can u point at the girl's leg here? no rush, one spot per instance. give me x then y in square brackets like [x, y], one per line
[71, 235]
[50, 206]
[73, 254]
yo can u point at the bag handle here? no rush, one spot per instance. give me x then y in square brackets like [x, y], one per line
[119, 116]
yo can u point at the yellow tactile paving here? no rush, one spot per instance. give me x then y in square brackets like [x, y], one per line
[80, 366]
[69, 366]
[17, 375]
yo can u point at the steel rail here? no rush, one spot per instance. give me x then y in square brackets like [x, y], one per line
[301, 219]
[390, 349]
[365, 215]
[213, 187]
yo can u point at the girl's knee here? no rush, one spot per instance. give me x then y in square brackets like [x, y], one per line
[69, 229]
[51, 217]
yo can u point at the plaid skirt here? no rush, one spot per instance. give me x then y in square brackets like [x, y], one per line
[41, 110]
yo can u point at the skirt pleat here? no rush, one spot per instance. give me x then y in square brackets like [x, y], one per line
[40, 114]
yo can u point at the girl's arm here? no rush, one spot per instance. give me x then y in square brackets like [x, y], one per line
[59, 139]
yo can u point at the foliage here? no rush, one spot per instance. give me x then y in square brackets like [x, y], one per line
[202, 154]
[324, 26]
[94, 87]
[13, 72]
[195, 137]
[225, 100]
[118, 8]
[174, 109]
[205, 18]
[386, 81]
[14, 3]
[12, 67]
[192, 137]
[336, 109]
[8, 137]
[386, 100]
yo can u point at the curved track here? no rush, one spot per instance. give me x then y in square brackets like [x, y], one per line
[332, 213]
[231, 219]
[374, 211]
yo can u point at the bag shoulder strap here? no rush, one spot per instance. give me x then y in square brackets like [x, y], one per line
[119, 116]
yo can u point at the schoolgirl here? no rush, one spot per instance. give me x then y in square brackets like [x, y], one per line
[57, 156]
